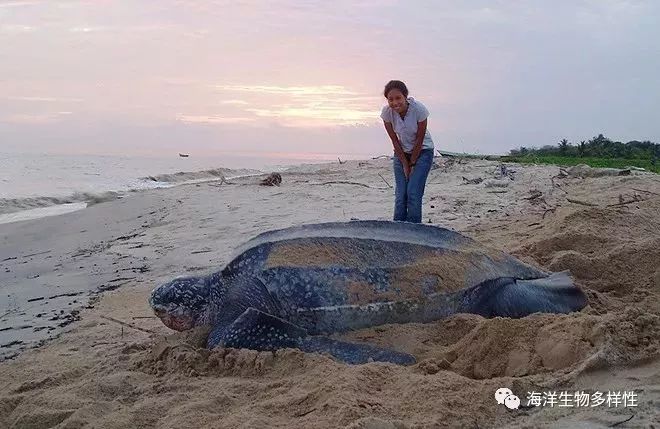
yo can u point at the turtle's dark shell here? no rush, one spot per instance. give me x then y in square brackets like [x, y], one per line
[361, 262]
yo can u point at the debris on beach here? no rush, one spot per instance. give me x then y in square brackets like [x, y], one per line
[536, 198]
[474, 181]
[504, 171]
[273, 179]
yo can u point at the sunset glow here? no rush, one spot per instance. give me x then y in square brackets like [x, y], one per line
[299, 77]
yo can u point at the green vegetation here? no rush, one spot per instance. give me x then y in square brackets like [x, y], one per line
[591, 161]
[597, 152]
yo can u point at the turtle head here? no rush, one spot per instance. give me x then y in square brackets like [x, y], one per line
[182, 303]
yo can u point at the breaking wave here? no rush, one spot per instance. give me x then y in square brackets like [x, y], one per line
[12, 205]
[194, 176]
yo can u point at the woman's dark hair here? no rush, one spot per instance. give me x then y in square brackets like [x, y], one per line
[396, 84]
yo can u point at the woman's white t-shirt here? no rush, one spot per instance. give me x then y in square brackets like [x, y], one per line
[406, 127]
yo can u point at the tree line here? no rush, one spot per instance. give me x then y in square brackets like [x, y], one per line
[597, 147]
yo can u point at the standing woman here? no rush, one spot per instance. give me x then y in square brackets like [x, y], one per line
[406, 121]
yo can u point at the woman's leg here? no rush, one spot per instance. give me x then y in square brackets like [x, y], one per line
[400, 184]
[416, 185]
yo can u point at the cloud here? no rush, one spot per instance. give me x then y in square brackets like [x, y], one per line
[289, 90]
[87, 29]
[45, 118]
[44, 99]
[318, 115]
[306, 106]
[17, 29]
[19, 3]
[212, 119]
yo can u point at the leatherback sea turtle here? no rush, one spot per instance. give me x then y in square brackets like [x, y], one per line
[286, 288]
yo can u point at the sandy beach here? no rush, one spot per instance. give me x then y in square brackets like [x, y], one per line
[77, 285]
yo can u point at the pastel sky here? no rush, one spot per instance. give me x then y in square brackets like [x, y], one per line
[208, 76]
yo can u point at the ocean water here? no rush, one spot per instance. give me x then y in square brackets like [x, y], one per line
[38, 185]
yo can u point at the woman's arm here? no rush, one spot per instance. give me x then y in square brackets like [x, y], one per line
[419, 140]
[398, 150]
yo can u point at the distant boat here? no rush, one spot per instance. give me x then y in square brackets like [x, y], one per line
[184, 155]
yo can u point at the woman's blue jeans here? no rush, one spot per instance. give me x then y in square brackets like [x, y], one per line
[408, 193]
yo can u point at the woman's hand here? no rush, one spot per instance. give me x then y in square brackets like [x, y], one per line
[407, 170]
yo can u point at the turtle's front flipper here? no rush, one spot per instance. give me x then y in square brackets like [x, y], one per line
[257, 330]
[507, 297]
[243, 293]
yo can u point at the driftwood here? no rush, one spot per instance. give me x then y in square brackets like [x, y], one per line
[562, 174]
[535, 193]
[622, 201]
[644, 190]
[390, 186]
[340, 161]
[304, 413]
[38, 253]
[344, 182]
[584, 203]
[223, 181]
[65, 294]
[381, 156]
[476, 181]
[553, 209]
[130, 325]
[622, 421]
[503, 171]
[273, 179]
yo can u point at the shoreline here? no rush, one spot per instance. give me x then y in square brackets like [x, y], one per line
[97, 198]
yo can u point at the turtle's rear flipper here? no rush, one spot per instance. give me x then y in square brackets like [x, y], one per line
[257, 330]
[508, 297]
